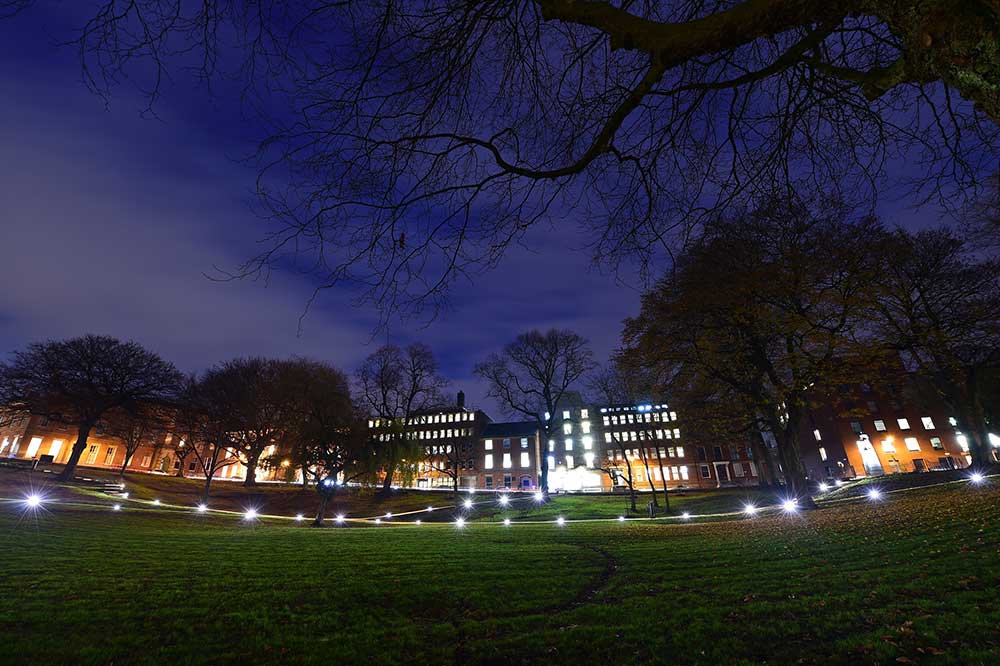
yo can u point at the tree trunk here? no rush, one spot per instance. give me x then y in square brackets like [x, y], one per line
[128, 457]
[795, 473]
[324, 501]
[208, 486]
[251, 479]
[649, 477]
[387, 481]
[82, 433]
[663, 480]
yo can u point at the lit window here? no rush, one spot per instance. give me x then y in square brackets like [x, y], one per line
[677, 433]
[680, 452]
[817, 436]
[673, 416]
[588, 442]
[507, 464]
[880, 425]
[567, 428]
[822, 453]
[524, 442]
[952, 421]
[552, 445]
[912, 444]
[928, 422]
[566, 414]
[903, 424]
[552, 462]
[963, 442]
[936, 443]
[584, 414]
[589, 458]
[525, 459]
[488, 463]
[569, 462]
[569, 443]
[585, 426]
[888, 446]
[607, 437]
[607, 421]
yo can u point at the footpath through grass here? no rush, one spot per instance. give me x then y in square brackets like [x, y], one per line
[913, 579]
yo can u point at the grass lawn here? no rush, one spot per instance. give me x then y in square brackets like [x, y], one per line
[912, 579]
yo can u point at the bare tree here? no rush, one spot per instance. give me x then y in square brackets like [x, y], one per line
[145, 423]
[645, 118]
[202, 423]
[82, 380]
[941, 309]
[532, 374]
[394, 384]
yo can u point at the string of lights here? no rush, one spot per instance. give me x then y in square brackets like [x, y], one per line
[35, 501]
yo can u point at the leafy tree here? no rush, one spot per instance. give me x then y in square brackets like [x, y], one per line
[942, 310]
[532, 374]
[394, 385]
[645, 118]
[772, 305]
[84, 379]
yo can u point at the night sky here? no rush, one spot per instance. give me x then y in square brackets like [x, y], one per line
[109, 220]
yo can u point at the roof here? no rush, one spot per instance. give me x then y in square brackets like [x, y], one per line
[510, 429]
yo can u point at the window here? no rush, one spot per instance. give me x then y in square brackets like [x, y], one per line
[552, 445]
[818, 436]
[109, 455]
[506, 443]
[888, 446]
[569, 462]
[928, 422]
[607, 421]
[684, 472]
[717, 452]
[589, 459]
[585, 426]
[4, 445]
[706, 473]
[880, 425]
[912, 444]
[552, 462]
[822, 453]
[607, 437]
[856, 427]
[488, 464]
[524, 442]
[569, 443]
[701, 453]
[55, 447]
[525, 459]
[584, 414]
[33, 447]
[506, 480]
[565, 413]
[191, 466]
[489, 481]
[963, 442]
[677, 433]
[903, 424]
[952, 421]
[507, 464]
[872, 407]
[567, 428]
[680, 451]
[588, 442]
[936, 443]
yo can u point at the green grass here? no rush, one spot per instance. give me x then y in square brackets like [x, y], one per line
[913, 579]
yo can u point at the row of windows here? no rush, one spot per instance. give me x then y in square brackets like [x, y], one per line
[654, 417]
[488, 443]
[454, 417]
[633, 436]
[903, 423]
[507, 461]
[588, 443]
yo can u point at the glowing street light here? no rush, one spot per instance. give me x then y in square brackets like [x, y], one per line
[156, 502]
[250, 514]
[506, 522]
[539, 496]
[378, 521]
[976, 478]
[823, 487]
[789, 506]
[874, 494]
[467, 504]
[388, 514]
[504, 500]
[299, 517]
[124, 495]
[116, 507]
[749, 509]
[460, 522]
[418, 522]
[686, 516]
[429, 509]
[621, 519]
[340, 518]
[560, 521]
[202, 508]
[33, 501]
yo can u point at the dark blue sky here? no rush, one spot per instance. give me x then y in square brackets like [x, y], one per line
[109, 219]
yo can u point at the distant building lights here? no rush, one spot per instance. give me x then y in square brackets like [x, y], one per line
[124, 495]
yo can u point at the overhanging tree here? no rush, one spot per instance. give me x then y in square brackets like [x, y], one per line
[82, 380]
[773, 305]
[530, 377]
[644, 118]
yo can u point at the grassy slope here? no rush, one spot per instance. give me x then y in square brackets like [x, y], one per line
[913, 578]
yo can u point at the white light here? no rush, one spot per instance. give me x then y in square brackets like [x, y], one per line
[251, 514]
[560, 521]
[460, 522]
[506, 521]
[430, 508]
[838, 483]
[388, 514]
[621, 519]
[339, 518]
[299, 517]
[124, 495]
[116, 507]
[156, 502]
[749, 509]
[33, 501]
[202, 508]
[539, 496]
[418, 522]
[874, 494]
[504, 500]
[467, 503]
[686, 516]
[976, 478]
[789, 506]
[378, 521]
[823, 487]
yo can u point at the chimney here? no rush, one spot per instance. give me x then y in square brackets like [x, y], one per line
[461, 399]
